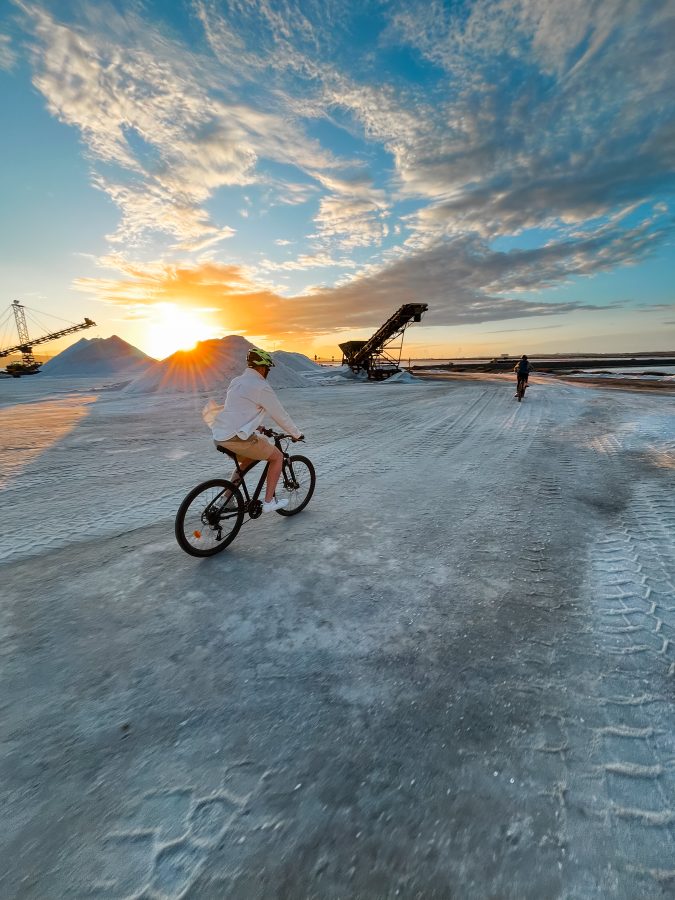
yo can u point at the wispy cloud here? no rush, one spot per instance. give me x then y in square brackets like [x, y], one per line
[8, 56]
[153, 110]
[518, 114]
[464, 282]
[354, 211]
[523, 329]
[308, 261]
[549, 120]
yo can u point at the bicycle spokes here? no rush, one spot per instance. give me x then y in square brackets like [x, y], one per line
[209, 518]
[296, 484]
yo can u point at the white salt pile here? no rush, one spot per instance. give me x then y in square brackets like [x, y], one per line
[297, 361]
[311, 371]
[211, 365]
[401, 377]
[99, 357]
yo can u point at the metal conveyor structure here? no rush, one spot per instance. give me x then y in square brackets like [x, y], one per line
[376, 356]
[29, 365]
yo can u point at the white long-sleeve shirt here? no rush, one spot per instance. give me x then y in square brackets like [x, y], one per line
[249, 399]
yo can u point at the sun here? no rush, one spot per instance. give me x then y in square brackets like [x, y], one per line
[174, 328]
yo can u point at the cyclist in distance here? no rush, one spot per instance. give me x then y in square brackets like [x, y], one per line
[522, 369]
[249, 399]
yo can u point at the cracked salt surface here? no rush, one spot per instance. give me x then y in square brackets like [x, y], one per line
[450, 676]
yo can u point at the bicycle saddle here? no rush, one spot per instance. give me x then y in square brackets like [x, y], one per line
[230, 453]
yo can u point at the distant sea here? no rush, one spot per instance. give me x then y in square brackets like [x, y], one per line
[411, 361]
[581, 365]
[445, 361]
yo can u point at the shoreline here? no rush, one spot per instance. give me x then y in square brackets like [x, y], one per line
[546, 364]
[638, 385]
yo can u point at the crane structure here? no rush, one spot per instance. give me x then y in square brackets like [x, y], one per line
[376, 356]
[29, 365]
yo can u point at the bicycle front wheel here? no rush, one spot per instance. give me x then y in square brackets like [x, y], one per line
[209, 518]
[296, 484]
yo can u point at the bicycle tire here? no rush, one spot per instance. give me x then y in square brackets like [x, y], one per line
[199, 535]
[296, 470]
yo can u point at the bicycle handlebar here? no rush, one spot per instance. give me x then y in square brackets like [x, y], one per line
[269, 432]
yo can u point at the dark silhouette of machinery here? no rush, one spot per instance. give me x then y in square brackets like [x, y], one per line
[376, 356]
[29, 365]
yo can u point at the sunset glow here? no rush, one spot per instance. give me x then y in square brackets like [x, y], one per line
[508, 163]
[175, 328]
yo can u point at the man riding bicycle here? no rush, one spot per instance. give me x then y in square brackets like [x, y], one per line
[522, 369]
[249, 398]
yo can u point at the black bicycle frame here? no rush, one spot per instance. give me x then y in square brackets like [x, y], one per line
[240, 484]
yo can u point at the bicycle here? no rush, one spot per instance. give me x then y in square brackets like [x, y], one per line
[211, 515]
[520, 388]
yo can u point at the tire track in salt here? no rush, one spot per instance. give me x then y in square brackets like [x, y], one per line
[469, 438]
[528, 440]
[160, 845]
[624, 784]
[631, 590]
[427, 422]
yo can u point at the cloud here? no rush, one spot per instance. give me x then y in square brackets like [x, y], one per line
[146, 208]
[522, 329]
[357, 221]
[517, 114]
[139, 103]
[554, 112]
[462, 280]
[308, 261]
[277, 39]
[242, 306]
[656, 307]
[353, 211]
[156, 122]
[292, 194]
[8, 56]
[533, 127]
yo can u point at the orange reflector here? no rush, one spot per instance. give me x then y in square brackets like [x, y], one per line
[197, 534]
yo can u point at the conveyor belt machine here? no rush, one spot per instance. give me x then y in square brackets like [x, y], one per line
[378, 355]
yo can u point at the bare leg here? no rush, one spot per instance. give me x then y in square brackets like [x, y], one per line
[244, 466]
[273, 473]
[235, 478]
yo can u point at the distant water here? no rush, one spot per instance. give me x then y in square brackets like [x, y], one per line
[411, 361]
[634, 371]
[445, 361]
[584, 365]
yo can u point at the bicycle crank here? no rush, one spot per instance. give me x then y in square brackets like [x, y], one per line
[255, 509]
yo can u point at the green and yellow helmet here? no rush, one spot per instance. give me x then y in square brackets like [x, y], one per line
[258, 357]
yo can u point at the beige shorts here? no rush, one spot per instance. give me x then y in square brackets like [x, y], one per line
[254, 447]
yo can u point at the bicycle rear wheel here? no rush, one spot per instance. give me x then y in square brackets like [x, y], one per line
[209, 518]
[296, 484]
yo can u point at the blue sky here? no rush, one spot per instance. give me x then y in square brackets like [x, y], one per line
[295, 171]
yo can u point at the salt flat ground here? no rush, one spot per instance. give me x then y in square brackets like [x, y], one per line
[451, 676]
